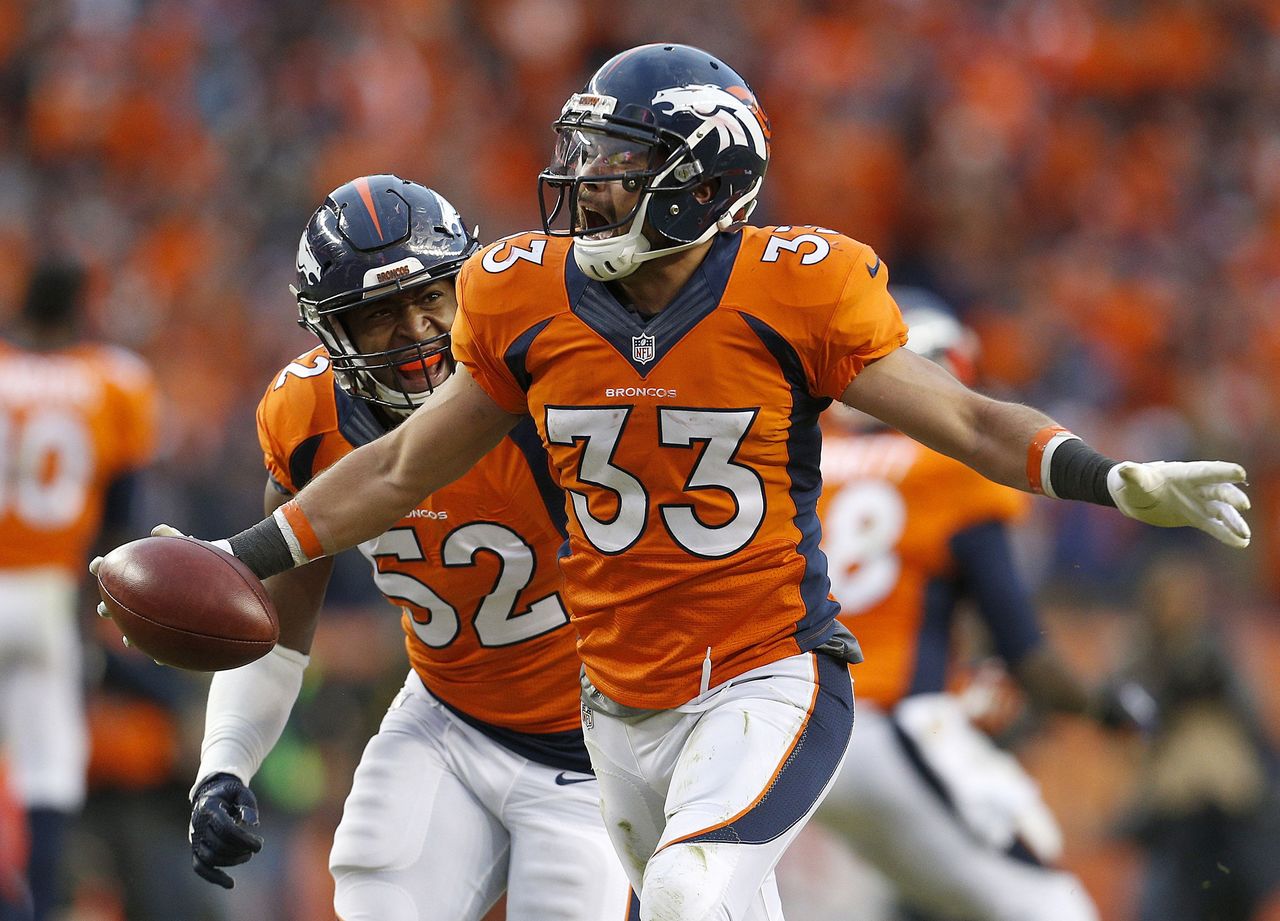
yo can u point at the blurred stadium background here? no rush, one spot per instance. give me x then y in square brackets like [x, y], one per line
[1094, 184]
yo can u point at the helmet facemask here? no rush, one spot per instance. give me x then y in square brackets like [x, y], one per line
[380, 238]
[360, 373]
[595, 147]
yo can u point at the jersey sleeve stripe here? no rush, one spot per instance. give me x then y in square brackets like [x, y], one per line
[302, 460]
[516, 356]
[526, 438]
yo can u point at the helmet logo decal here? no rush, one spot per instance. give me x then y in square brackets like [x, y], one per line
[307, 263]
[643, 348]
[734, 120]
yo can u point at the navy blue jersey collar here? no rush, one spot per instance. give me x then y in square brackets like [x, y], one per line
[644, 343]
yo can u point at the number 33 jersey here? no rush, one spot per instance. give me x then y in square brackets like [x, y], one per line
[473, 567]
[687, 443]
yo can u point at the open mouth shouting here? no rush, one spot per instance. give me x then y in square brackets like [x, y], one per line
[596, 222]
[421, 374]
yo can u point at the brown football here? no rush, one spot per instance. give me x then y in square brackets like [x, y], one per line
[188, 604]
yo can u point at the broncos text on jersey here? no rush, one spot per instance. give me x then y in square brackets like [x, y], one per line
[473, 567]
[687, 443]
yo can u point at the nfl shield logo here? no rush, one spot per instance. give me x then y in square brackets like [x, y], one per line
[642, 349]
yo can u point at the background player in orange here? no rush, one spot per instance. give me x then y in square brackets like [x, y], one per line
[675, 362]
[477, 782]
[954, 822]
[76, 420]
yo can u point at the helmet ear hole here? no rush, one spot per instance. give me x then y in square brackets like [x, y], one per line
[707, 190]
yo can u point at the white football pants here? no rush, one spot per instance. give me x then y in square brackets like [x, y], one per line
[885, 808]
[42, 722]
[702, 800]
[441, 820]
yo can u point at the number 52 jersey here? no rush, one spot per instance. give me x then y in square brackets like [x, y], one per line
[687, 443]
[473, 567]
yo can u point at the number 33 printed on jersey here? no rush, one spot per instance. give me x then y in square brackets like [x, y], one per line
[721, 431]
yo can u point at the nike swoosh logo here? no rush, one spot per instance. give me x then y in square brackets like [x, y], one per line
[873, 270]
[563, 779]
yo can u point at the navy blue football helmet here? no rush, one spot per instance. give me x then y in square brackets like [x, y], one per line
[373, 238]
[661, 120]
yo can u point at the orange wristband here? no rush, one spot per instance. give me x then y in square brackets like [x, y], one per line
[303, 543]
[1039, 453]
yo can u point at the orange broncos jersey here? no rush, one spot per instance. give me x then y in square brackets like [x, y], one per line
[687, 445]
[890, 508]
[473, 566]
[71, 421]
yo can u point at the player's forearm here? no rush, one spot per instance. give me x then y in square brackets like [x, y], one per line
[1003, 432]
[366, 492]
[372, 488]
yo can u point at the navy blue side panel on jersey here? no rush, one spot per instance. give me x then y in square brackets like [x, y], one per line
[930, 674]
[562, 750]
[517, 355]
[302, 462]
[633, 906]
[356, 421]
[526, 438]
[808, 769]
[804, 455]
[594, 304]
[989, 576]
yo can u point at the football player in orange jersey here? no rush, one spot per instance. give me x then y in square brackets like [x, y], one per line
[951, 820]
[477, 782]
[675, 360]
[76, 420]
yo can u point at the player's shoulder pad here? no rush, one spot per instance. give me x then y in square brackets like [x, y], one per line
[299, 401]
[822, 261]
[520, 263]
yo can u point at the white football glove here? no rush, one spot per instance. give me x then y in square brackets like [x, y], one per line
[1173, 494]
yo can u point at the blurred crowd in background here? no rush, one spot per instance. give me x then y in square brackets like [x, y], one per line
[1094, 185]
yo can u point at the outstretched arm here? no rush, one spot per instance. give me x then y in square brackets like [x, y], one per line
[1022, 447]
[372, 488]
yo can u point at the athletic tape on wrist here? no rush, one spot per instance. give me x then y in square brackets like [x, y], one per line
[1040, 457]
[304, 545]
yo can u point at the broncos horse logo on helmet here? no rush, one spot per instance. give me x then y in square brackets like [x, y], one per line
[734, 120]
[672, 123]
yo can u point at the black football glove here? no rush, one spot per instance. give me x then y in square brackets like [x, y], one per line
[222, 812]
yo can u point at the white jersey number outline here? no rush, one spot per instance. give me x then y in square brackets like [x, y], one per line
[48, 467]
[495, 620]
[861, 530]
[721, 432]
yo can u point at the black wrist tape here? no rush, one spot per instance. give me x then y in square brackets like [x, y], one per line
[263, 549]
[1076, 471]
